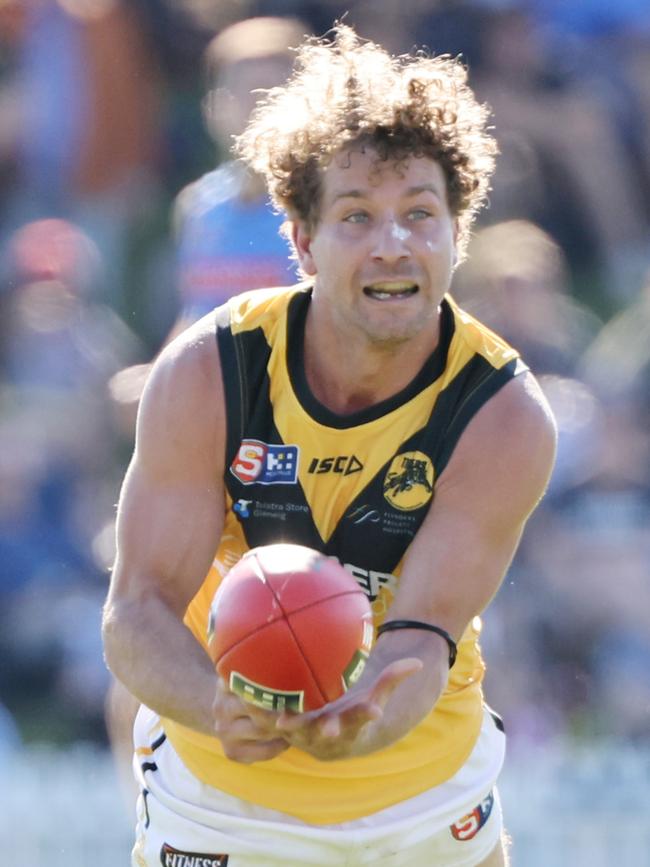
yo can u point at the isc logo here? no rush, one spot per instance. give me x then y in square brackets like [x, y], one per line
[344, 464]
[265, 464]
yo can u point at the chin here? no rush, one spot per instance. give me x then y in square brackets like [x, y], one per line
[396, 329]
[392, 336]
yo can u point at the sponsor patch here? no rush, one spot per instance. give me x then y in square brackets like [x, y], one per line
[364, 513]
[343, 464]
[265, 464]
[170, 857]
[241, 507]
[371, 581]
[392, 523]
[409, 481]
[469, 826]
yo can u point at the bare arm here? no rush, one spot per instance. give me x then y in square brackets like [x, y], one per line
[170, 518]
[452, 570]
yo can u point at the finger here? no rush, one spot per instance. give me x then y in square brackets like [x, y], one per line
[291, 722]
[243, 728]
[351, 718]
[247, 752]
[330, 726]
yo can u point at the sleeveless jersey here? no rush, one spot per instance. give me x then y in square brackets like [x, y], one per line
[356, 487]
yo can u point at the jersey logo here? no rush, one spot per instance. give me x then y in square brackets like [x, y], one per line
[170, 857]
[241, 507]
[471, 824]
[344, 464]
[371, 581]
[264, 464]
[408, 484]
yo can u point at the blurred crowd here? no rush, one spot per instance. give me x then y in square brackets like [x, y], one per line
[123, 218]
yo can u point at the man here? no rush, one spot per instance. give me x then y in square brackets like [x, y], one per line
[380, 164]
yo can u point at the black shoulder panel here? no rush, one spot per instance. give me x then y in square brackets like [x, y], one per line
[477, 382]
[244, 359]
[370, 523]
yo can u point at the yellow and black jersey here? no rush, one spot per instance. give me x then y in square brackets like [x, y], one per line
[356, 487]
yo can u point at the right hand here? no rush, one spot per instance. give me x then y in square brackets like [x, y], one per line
[247, 733]
[333, 730]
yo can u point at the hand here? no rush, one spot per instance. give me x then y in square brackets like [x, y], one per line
[247, 733]
[332, 731]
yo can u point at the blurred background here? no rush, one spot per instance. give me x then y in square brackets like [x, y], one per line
[122, 219]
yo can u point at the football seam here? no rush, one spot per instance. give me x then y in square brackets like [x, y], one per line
[294, 636]
[285, 616]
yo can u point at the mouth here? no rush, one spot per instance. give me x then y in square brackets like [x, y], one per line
[388, 290]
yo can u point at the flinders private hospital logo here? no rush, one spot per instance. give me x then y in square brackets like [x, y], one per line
[265, 464]
[408, 484]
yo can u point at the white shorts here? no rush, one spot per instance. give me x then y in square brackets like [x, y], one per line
[185, 823]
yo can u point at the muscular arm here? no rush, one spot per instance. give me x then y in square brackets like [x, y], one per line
[452, 570]
[169, 522]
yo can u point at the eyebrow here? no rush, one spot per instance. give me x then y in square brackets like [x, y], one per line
[410, 193]
[424, 188]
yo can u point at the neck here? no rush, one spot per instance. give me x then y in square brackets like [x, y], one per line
[349, 375]
[253, 187]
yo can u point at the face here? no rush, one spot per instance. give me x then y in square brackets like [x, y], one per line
[383, 250]
[228, 106]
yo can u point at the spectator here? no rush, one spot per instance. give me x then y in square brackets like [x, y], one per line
[228, 235]
[86, 140]
[563, 162]
[57, 451]
[516, 280]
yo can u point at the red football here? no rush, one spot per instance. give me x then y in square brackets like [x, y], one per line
[289, 628]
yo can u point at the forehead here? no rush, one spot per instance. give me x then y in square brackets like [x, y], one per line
[364, 173]
[249, 73]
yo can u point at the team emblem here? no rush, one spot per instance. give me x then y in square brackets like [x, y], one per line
[471, 824]
[265, 464]
[409, 481]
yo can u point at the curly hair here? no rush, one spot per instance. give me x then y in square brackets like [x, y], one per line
[349, 93]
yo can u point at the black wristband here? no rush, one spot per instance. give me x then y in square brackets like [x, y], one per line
[418, 624]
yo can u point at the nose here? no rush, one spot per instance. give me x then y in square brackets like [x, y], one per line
[391, 241]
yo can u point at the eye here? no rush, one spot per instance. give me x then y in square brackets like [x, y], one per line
[419, 214]
[356, 217]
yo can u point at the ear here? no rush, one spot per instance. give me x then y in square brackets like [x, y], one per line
[301, 240]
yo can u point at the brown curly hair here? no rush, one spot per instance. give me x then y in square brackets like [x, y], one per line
[349, 93]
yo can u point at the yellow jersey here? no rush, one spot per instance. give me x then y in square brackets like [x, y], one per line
[356, 487]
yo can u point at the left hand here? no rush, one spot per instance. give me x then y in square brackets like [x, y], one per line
[333, 731]
[247, 733]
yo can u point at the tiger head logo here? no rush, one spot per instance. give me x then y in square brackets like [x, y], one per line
[408, 484]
